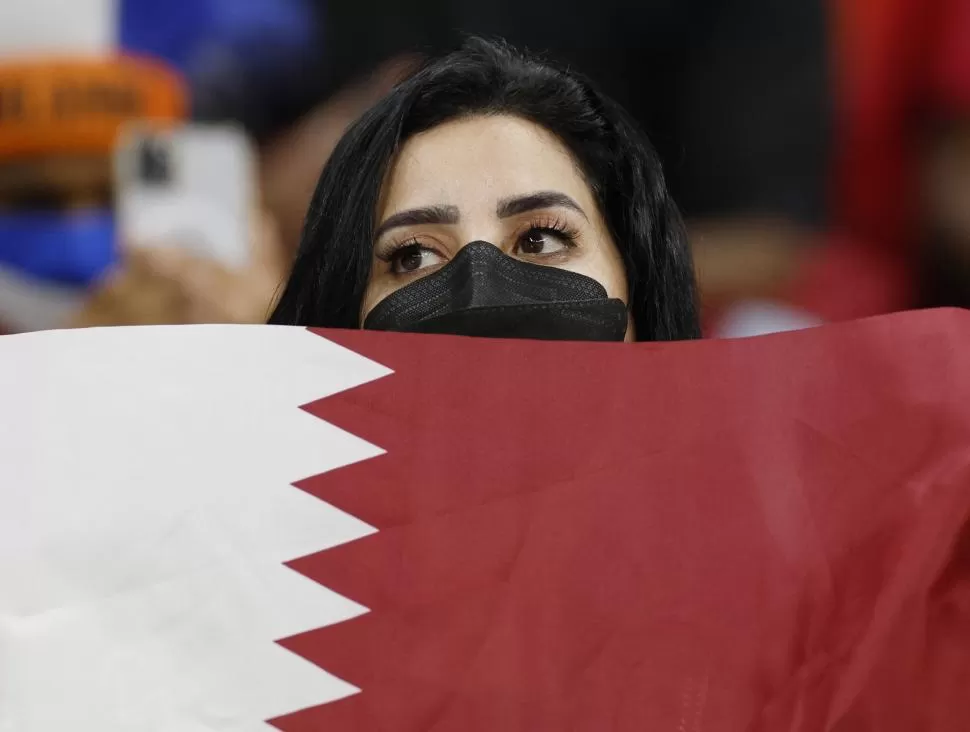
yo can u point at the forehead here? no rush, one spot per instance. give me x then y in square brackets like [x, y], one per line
[477, 160]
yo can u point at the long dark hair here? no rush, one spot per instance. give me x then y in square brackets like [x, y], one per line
[332, 265]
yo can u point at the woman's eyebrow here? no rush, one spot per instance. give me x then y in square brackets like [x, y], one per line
[516, 205]
[418, 216]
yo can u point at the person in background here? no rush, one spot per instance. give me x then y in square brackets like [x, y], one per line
[901, 183]
[260, 63]
[58, 123]
[245, 59]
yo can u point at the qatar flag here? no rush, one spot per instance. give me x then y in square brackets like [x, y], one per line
[225, 528]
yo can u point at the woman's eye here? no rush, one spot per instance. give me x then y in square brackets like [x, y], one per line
[414, 258]
[542, 241]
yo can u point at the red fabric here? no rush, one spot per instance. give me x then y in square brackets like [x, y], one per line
[766, 534]
[949, 63]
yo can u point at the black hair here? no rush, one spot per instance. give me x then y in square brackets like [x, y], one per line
[332, 265]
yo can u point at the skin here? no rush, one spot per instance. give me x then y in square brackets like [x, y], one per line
[166, 285]
[498, 179]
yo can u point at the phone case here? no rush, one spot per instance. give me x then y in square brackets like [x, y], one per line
[190, 187]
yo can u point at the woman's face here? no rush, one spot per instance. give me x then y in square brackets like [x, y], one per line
[498, 179]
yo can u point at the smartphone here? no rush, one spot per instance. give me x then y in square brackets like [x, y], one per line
[192, 187]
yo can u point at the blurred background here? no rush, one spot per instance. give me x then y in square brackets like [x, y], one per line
[819, 150]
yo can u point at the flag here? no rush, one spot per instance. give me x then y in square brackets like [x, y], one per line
[229, 527]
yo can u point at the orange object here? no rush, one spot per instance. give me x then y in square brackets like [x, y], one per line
[77, 105]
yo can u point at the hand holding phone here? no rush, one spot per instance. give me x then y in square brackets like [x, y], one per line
[191, 188]
[196, 247]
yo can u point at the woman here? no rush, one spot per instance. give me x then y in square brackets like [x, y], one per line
[492, 194]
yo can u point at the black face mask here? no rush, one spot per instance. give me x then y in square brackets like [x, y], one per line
[482, 292]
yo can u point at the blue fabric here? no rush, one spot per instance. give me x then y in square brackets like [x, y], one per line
[66, 248]
[179, 30]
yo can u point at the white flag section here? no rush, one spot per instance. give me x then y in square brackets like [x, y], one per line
[145, 514]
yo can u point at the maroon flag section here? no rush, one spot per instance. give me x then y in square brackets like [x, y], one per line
[764, 534]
